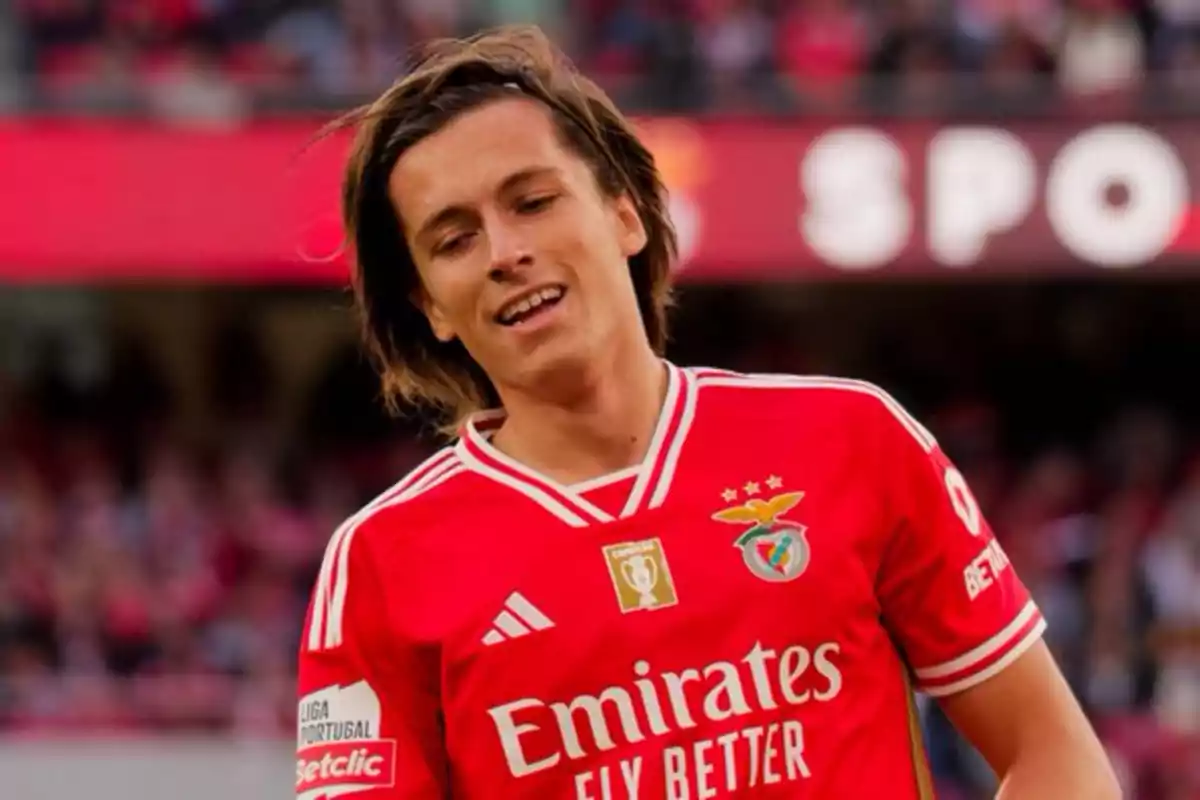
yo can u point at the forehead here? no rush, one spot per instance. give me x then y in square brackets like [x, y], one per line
[472, 156]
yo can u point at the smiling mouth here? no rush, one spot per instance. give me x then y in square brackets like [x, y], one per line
[531, 305]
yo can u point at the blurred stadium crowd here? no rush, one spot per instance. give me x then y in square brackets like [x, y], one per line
[218, 59]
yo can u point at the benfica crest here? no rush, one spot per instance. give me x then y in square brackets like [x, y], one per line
[773, 548]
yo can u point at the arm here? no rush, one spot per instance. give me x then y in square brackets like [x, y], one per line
[1028, 726]
[368, 717]
[971, 633]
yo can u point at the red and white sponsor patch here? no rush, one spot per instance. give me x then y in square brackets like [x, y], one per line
[337, 768]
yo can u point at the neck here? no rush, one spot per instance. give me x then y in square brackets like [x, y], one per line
[605, 424]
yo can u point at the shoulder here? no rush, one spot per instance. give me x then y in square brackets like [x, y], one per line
[816, 398]
[384, 522]
[425, 489]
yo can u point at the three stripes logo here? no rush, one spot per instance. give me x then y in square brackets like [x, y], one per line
[519, 618]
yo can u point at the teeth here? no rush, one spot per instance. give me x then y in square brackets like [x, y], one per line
[527, 304]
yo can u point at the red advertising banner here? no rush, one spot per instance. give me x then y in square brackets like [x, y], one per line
[777, 200]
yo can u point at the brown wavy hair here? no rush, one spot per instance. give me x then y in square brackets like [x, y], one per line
[450, 78]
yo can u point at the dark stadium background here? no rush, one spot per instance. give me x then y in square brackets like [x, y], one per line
[184, 415]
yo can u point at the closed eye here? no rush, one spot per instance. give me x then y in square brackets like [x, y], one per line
[452, 244]
[532, 205]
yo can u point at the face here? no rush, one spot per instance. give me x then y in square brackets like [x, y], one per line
[520, 255]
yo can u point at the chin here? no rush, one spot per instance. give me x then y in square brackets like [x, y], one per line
[561, 363]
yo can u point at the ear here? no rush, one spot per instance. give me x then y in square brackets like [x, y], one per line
[630, 230]
[438, 322]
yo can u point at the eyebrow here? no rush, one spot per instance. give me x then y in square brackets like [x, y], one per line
[455, 212]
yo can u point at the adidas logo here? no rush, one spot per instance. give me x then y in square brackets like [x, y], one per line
[519, 618]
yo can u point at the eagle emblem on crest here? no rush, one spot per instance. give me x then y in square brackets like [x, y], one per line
[773, 548]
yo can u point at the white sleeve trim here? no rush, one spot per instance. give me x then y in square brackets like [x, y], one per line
[1001, 664]
[983, 651]
[769, 381]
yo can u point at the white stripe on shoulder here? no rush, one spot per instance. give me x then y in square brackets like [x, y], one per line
[714, 372]
[329, 595]
[712, 377]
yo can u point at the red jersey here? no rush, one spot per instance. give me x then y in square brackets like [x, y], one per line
[746, 613]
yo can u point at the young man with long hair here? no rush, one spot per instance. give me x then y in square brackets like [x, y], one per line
[625, 578]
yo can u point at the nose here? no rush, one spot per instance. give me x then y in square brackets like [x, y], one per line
[510, 250]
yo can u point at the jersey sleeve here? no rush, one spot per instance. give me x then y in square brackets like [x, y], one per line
[949, 595]
[368, 718]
